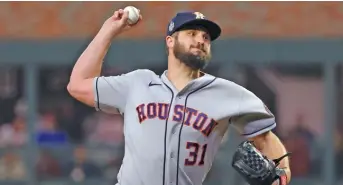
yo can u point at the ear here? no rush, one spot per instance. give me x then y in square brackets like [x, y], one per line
[170, 41]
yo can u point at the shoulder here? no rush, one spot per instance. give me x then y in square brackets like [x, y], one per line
[249, 102]
[145, 75]
[233, 90]
[138, 75]
[142, 73]
[230, 86]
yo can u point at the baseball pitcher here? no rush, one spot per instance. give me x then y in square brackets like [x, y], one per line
[174, 122]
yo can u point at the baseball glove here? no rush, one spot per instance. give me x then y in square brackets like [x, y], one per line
[256, 168]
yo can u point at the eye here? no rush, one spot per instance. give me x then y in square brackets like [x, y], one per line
[191, 33]
[206, 37]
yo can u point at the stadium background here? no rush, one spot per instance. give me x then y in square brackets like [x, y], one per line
[288, 53]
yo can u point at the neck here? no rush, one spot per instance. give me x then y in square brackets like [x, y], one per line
[180, 74]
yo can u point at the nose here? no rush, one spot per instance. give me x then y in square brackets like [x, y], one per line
[200, 42]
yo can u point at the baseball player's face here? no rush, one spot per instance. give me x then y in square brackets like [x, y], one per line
[193, 47]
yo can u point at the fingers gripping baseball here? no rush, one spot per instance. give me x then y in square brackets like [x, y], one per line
[120, 17]
[119, 22]
[125, 21]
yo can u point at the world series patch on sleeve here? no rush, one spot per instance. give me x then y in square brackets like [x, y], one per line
[256, 168]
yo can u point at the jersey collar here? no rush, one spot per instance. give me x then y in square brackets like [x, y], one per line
[192, 85]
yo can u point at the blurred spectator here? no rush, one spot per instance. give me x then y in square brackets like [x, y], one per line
[104, 129]
[47, 122]
[47, 166]
[13, 134]
[303, 129]
[80, 168]
[48, 133]
[12, 167]
[298, 142]
[20, 108]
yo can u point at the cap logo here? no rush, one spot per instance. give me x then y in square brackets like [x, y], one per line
[199, 15]
[171, 26]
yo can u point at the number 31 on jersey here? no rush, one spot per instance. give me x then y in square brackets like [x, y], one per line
[196, 154]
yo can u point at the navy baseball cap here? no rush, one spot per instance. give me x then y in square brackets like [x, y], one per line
[188, 19]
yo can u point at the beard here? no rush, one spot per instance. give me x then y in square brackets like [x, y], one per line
[195, 62]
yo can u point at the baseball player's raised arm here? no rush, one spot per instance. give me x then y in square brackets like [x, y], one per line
[254, 117]
[86, 85]
[83, 80]
[87, 67]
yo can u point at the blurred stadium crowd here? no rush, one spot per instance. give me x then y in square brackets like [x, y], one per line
[59, 114]
[93, 148]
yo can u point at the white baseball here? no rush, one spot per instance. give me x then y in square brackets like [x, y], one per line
[133, 14]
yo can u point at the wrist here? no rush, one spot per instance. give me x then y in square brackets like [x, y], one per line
[282, 178]
[106, 35]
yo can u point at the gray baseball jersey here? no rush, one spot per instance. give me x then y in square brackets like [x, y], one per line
[171, 136]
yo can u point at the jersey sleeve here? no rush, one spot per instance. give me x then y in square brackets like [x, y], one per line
[111, 92]
[254, 117]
